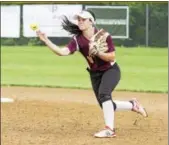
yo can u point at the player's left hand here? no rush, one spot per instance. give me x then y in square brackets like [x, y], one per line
[98, 43]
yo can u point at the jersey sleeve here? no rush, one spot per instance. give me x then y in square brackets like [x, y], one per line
[110, 44]
[72, 46]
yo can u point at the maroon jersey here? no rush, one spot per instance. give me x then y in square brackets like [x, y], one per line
[81, 43]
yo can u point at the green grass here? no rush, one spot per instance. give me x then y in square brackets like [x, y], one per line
[143, 69]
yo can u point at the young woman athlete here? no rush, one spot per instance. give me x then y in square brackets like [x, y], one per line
[103, 69]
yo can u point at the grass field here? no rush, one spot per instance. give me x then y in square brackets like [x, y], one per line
[143, 69]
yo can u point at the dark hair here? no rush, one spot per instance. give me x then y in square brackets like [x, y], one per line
[71, 27]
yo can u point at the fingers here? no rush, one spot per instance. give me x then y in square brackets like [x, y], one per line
[38, 32]
[41, 35]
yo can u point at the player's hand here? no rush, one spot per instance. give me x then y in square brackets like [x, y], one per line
[42, 36]
[98, 43]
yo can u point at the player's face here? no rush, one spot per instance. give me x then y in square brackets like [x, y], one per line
[84, 24]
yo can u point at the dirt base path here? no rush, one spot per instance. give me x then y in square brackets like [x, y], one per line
[51, 116]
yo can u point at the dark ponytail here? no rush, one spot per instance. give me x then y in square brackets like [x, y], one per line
[70, 27]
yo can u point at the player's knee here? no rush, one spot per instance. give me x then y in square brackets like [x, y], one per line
[104, 98]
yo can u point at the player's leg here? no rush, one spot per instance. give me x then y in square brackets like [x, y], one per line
[132, 105]
[108, 83]
[95, 81]
[96, 78]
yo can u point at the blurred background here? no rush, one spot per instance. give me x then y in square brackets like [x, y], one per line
[139, 31]
[143, 21]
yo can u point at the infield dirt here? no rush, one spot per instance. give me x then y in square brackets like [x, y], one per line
[52, 116]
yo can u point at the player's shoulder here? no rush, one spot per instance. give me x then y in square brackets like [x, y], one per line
[77, 37]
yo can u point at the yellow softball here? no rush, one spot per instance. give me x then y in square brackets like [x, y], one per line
[34, 27]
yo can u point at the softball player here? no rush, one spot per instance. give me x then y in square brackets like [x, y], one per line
[103, 69]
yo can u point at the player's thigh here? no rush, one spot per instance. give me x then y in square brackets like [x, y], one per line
[109, 81]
